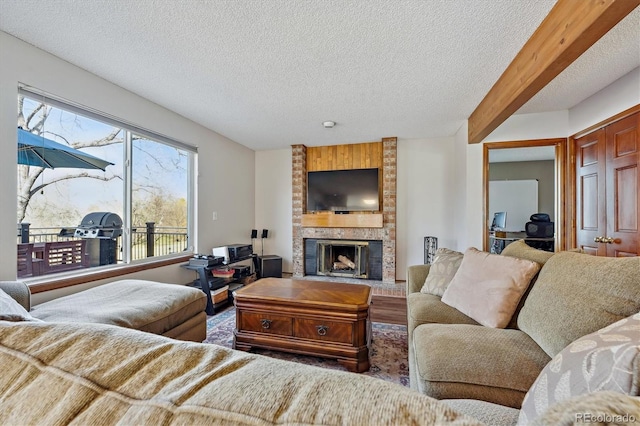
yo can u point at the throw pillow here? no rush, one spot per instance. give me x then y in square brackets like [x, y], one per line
[607, 360]
[488, 287]
[444, 267]
[10, 310]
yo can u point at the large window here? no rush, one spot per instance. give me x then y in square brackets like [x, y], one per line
[94, 190]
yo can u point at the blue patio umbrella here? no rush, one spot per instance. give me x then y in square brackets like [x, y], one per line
[34, 150]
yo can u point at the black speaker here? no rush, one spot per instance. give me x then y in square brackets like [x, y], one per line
[270, 266]
[254, 233]
[264, 233]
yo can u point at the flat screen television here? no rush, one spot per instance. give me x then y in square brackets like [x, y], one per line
[343, 190]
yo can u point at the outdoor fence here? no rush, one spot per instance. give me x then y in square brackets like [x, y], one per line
[147, 240]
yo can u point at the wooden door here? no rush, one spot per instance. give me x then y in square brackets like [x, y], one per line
[623, 184]
[590, 192]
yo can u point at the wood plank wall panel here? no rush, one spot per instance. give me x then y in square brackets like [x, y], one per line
[343, 157]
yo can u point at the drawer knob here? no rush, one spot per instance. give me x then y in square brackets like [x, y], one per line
[322, 330]
[266, 323]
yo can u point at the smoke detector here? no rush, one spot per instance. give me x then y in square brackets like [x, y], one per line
[329, 124]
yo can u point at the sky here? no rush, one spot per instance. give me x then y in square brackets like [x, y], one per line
[156, 167]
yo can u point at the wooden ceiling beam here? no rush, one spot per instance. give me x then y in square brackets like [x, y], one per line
[570, 28]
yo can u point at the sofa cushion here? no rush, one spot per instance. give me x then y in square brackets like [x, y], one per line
[488, 287]
[608, 359]
[429, 309]
[521, 250]
[143, 305]
[90, 374]
[577, 294]
[444, 267]
[10, 310]
[471, 361]
[487, 412]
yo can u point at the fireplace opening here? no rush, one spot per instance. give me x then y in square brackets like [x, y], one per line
[342, 258]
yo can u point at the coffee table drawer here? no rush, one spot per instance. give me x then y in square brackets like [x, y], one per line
[266, 323]
[318, 329]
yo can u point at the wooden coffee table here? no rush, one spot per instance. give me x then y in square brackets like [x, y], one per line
[307, 317]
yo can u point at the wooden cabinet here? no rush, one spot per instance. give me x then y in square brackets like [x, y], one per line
[306, 317]
[607, 185]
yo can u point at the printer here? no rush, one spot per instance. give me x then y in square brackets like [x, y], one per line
[234, 252]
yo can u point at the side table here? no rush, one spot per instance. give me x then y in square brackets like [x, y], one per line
[203, 282]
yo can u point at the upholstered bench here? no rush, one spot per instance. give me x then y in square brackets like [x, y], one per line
[166, 309]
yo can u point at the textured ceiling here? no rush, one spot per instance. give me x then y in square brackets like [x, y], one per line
[267, 73]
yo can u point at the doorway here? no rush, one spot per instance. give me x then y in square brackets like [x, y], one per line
[516, 155]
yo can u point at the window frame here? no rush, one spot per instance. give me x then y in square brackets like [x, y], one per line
[56, 281]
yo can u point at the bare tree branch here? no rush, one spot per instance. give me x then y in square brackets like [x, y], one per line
[57, 135]
[33, 113]
[110, 139]
[37, 189]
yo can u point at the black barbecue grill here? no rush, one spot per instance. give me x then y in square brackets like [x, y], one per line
[101, 230]
[99, 225]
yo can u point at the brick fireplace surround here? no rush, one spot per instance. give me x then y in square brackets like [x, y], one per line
[387, 234]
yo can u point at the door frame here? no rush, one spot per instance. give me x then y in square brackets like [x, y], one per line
[560, 203]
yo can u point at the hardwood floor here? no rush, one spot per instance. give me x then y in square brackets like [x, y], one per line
[388, 309]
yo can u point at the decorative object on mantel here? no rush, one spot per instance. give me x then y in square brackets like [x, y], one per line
[430, 247]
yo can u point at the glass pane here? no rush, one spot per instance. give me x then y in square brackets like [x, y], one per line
[159, 199]
[54, 200]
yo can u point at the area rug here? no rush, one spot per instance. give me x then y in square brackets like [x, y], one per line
[388, 355]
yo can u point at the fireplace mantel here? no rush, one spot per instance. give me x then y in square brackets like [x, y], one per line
[353, 220]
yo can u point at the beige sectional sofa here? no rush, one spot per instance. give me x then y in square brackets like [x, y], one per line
[93, 373]
[169, 310]
[488, 371]
[54, 373]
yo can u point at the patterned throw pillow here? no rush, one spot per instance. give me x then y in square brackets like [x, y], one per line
[607, 360]
[444, 267]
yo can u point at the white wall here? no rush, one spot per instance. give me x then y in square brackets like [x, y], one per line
[620, 95]
[459, 196]
[226, 169]
[274, 191]
[424, 207]
[542, 125]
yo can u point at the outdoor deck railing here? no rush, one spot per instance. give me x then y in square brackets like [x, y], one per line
[147, 240]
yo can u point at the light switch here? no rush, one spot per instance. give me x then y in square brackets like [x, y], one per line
[214, 216]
